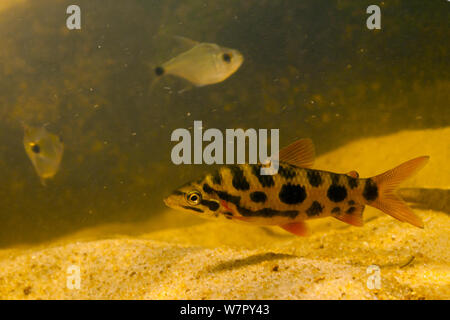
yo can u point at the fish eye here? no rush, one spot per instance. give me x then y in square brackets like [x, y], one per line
[226, 57]
[35, 148]
[194, 198]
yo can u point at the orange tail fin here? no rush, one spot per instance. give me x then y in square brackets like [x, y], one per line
[384, 187]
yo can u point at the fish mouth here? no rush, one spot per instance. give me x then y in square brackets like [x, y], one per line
[171, 203]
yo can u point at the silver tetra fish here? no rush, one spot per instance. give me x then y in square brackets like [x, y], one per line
[45, 151]
[203, 64]
[296, 193]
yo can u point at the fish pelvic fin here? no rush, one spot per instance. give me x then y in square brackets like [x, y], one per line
[297, 228]
[379, 191]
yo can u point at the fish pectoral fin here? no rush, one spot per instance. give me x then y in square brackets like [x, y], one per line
[353, 216]
[353, 174]
[299, 153]
[233, 213]
[297, 228]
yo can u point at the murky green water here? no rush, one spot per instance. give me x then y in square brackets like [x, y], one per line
[311, 69]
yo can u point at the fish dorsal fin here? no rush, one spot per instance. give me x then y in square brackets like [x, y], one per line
[353, 215]
[186, 41]
[299, 153]
[353, 174]
[297, 228]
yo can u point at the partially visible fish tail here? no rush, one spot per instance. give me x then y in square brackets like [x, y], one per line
[379, 191]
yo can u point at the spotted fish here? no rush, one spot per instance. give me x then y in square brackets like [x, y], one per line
[203, 64]
[45, 151]
[296, 193]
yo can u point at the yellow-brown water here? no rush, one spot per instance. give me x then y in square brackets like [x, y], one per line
[368, 99]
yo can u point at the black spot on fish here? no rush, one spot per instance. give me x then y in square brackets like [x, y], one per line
[258, 196]
[226, 57]
[267, 213]
[352, 182]
[228, 197]
[315, 209]
[228, 213]
[264, 180]
[207, 188]
[193, 209]
[286, 172]
[292, 193]
[350, 210]
[336, 193]
[216, 177]
[336, 210]
[351, 202]
[35, 148]
[370, 192]
[159, 71]
[212, 205]
[239, 182]
[314, 178]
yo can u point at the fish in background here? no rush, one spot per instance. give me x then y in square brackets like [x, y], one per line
[203, 64]
[296, 193]
[45, 151]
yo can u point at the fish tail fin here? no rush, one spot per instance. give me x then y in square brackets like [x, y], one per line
[379, 191]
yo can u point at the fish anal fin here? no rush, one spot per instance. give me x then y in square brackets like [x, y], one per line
[299, 153]
[297, 228]
[353, 215]
[353, 174]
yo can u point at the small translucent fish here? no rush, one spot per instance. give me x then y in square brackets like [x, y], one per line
[203, 64]
[296, 193]
[45, 151]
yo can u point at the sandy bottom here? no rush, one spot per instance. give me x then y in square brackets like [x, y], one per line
[193, 259]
